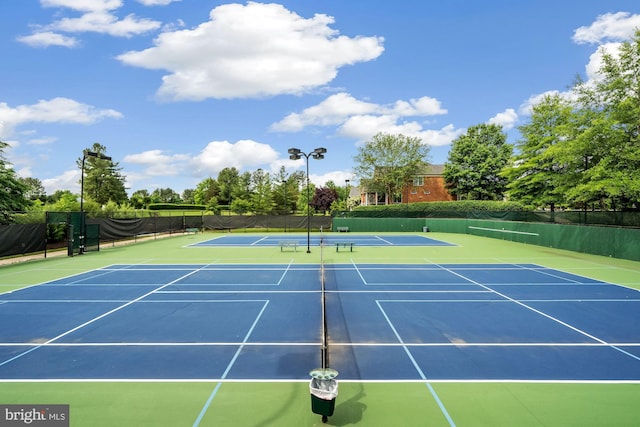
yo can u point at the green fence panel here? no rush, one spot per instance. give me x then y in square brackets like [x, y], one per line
[379, 224]
[606, 241]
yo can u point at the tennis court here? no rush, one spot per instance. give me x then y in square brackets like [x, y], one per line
[328, 239]
[236, 332]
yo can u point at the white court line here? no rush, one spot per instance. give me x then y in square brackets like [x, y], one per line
[313, 344]
[226, 372]
[284, 273]
[358, 271]
[95, 319]
[160, 344]
[415, 365]
[386, 241]
[258, 241]
[548, 316]
[231, 381]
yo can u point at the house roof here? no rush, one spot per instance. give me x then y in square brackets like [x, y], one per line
[432, 170]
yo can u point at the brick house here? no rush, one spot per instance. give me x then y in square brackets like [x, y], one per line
[427, 186]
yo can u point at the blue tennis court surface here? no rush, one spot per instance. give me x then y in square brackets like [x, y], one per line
[327, 238]
[413, 322]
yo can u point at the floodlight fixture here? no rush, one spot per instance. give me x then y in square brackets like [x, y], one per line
[297, 154]
[83, 231]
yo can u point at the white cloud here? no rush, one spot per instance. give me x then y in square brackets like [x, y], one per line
[507, 119]
[332, 111]
[157, 2]
[425, 106]
[104, 22]
[48, 38]
[215, 156]
[56, 110]
[45, 140]
[83, 5]
[242, 154]
[361, 120]
[156, 162]
[365, 127]
[68, 180]
[617, 26]
[251, 50]
[96, 16]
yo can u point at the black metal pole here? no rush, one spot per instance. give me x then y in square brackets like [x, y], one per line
[296, 154]
[308, 210]
[81, 246]
[83, 230]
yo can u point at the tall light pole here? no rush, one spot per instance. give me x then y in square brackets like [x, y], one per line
[346, 201]
[284, 196]
[296, 154]
[85, 154]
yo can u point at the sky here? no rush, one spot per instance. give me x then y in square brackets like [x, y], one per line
[177, 90]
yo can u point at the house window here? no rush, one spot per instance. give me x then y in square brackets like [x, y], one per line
[418, 181]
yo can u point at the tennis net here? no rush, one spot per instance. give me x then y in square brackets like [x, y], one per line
[323, 298]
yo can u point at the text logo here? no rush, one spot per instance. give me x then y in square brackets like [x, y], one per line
[34, 415]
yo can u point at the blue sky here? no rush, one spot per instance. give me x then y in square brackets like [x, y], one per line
[176, 90]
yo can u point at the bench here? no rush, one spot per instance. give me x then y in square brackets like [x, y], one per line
[344, 245]
[288, 244]
[191, 230]
[342, 229]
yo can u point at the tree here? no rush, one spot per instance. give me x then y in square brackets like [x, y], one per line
[12, 190]
[304, 203]
[241, 194]
[165, 195]
[261, 195]
[611, 148]
[188, 195]
[34, 189]
[227, 180]
[63, 201]
[103, 180]
[585, 151]
[389, 162]
[323, 197]
[472, 170]
[140, 199]
[206, 190]
[537, 175]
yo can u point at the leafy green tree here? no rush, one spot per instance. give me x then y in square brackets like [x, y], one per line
[206, 190]
[611, 148]
[240, 206]
[12, 196]
[304, 203]
[64, 201]
[388, 162]
[241, 193]
[261, 196]
[472, 170]
[537, 174]
[188, 195]
[228, 179]
[103, 180]
[140, 199]
[34, 189]
[165, 195]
